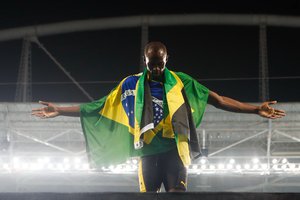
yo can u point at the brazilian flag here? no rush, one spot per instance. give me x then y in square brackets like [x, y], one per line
[117, 126]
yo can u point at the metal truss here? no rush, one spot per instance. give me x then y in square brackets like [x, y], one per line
[231, 140]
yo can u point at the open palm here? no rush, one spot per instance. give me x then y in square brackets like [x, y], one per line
[265, 110]
[49, 111]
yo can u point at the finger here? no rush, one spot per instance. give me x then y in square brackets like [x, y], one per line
[41, 115]
[275, 117]
[37, 112]
[280, 114]
[271, 102]
[44, 103]
[37, 109]
[279, 111]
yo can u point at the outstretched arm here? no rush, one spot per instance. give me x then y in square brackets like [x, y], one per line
[228, 104]
[51, 110]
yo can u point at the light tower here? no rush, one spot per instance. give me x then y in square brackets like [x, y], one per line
[144, 41]
[263, 64]
[23, 89]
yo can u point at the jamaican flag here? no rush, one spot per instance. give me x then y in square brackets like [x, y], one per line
[119, 125]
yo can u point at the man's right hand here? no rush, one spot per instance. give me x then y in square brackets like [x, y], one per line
[50, 111]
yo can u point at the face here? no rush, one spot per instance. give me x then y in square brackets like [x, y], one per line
[156, 62]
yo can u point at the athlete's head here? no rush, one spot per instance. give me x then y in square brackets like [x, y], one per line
[156, 58]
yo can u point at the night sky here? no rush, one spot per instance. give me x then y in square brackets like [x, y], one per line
[223, 58]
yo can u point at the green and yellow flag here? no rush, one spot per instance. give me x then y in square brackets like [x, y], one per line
[117, 126]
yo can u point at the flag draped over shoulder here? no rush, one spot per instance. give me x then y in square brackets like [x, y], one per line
[116, 126]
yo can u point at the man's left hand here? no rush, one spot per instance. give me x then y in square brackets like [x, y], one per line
[265, 110]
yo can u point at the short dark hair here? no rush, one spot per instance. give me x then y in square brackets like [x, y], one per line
[157, 45]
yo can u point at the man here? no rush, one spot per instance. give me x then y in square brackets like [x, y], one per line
[152, 115]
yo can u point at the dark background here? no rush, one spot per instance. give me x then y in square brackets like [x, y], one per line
[223, 58]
